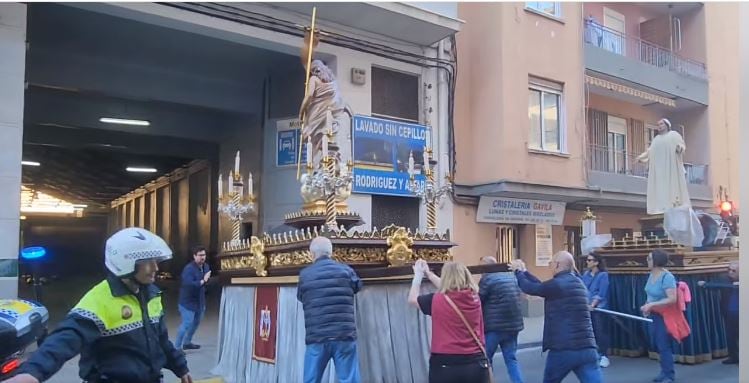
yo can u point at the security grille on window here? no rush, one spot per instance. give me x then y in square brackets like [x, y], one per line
[547, 7]
[507, 244]
[395, 95]
[399, 211]
[545, 116]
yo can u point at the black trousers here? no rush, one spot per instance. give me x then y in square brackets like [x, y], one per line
[601, 330]
[732, 335]
[473, 372]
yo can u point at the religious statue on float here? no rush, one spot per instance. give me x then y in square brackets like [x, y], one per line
[667, 191]
[323, 109]
[327, 182]
[667, 182]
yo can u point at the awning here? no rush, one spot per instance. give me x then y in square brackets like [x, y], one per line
[629, 91]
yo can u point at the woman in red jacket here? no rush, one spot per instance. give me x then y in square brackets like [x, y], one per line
[457, 352]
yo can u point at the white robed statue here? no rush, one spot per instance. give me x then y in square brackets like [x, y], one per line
[667, 187]
[323, 107]
[667, 183]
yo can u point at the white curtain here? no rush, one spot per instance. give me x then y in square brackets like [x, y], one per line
[393, 337]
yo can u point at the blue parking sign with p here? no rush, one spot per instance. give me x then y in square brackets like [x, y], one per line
[287, 146]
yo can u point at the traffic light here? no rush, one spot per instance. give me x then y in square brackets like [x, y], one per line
[727, 214]
[726, 207]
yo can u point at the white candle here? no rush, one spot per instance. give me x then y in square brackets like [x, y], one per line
[342, 165]
[426, 160]
[429, 137]
[411, 164]
[236, 163]
[231, 181]
[220, 186]
[249, 184]
[324, 145]
[309, 151]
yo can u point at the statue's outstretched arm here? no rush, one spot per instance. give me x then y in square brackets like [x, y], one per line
[643, 157]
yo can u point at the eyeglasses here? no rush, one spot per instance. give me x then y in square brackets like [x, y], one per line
[590, 260]
[732, 270]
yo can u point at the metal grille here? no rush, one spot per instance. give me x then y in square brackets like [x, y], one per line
[401, 211]
[507, 245]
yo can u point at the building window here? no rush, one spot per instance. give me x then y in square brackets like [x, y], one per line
[545, 116]
[395, 95]
[617, 145]
[550, 8]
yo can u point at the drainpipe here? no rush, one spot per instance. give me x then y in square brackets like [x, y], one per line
[442, 148]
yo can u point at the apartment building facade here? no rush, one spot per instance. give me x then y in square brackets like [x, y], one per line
[561, 98]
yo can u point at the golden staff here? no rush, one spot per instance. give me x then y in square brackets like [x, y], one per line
[306, 87]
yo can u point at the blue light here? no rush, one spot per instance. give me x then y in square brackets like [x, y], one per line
[33, 252]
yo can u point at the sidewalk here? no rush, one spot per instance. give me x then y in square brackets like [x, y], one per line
[532, 334]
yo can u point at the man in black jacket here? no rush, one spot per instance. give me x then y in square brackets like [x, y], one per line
[118, 327]
[326, 289]
[503, 319]
[568, 332]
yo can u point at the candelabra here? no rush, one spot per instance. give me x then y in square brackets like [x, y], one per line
[235, 204]
[430, 192]
[331, 180]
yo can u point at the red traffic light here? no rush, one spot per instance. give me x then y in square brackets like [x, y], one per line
[726, 206]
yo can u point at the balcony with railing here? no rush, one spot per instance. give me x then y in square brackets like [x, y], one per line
[607, 160]
[641, 50]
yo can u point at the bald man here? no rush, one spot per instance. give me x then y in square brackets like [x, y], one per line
[326, 289]
[568, 332]
[729, 307]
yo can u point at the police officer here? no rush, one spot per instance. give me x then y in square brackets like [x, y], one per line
[118, 327]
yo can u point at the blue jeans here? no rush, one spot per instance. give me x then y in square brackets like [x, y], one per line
[190, 322]
[344, 355]
[508, 341]
[584, 363]
[664, 346]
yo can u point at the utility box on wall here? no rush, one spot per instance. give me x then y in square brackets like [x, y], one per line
[358, 76]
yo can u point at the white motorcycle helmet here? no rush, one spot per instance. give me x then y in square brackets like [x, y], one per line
[128, 246]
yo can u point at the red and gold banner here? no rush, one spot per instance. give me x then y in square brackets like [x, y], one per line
[266, 324]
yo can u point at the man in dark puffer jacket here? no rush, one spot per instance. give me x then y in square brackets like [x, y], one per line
[326, 289]
[568, 332]
[503, 319]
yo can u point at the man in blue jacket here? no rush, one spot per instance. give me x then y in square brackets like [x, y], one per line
[326, 289]
[568, 332]
[195, 275]
[118, 327]
[503, 318]
[729, 307]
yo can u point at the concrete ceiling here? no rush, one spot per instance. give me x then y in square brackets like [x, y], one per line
[82, 66]
[78, 49]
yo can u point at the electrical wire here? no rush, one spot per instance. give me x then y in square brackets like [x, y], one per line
[258, 20]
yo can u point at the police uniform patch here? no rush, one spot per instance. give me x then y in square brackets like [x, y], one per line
[127, 312]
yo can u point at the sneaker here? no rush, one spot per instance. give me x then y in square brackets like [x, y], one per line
[604, 362]
[731, 361]
[659, 379]
[191, 346]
